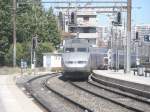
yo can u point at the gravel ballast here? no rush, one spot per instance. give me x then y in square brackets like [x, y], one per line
[94, 103]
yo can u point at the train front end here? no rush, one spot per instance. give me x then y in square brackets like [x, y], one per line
[75, 60]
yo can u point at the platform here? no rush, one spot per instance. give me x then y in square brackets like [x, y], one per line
[12, 99]
[128, 80]
[124, 76]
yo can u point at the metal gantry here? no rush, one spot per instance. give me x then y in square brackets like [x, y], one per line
[80, 1]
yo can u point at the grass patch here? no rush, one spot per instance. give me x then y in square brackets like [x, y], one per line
[9, 70]
[57, 69]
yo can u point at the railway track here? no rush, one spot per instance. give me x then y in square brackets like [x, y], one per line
[56, 94]
[124, 99]
[50, 99]
[137, 89]
[85, 98]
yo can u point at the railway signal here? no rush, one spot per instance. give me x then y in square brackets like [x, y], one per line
[34, 42]
[72, 18]
[119, 18]
[147, 38]
[33, 52]
[118, 21]
[137, 35]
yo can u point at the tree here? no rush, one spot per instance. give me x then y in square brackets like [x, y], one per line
[5, 28]
[39, 22]
[21, 54]
[31, 20]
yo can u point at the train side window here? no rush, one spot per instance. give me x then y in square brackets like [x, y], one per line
[69, 50]
[81, 49]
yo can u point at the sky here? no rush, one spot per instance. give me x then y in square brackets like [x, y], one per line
[140, 13]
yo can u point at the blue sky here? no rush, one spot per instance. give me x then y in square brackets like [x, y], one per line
[142, 15]
[139, 15]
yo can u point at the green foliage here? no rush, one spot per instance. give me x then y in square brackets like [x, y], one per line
[20, 54]
[57, 69]
[31, 20]
[40, 22]
[5, 28]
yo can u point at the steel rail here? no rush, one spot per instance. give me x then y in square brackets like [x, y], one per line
[144, 100]
[38, 99]
[44, 84]
[122, 87]
[106, 98]
[68, 99]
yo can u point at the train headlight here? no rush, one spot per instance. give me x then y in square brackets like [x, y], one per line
[69, 62]
[82, 62]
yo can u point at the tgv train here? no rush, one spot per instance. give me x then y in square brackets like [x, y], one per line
[118, 59]
[78, 59]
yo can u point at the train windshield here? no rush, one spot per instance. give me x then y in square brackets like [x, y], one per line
[69, 50]
[82, 49]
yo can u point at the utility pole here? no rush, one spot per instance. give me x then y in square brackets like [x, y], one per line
[14, 33]
[128, 39]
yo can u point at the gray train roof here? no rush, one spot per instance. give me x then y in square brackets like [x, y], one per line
[77, 42]
[98, 50]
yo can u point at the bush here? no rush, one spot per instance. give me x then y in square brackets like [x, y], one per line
[57, 69]
[20, 54]
[23, 51]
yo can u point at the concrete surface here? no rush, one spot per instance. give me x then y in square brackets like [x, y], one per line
[122, 76]
[12, 99]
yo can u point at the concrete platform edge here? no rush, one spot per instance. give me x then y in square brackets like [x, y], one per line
[142, 89]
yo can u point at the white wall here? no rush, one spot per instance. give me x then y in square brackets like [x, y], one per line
[55, 61]
[51, 60]
[92, 21]
[88, 35]
[46, 61]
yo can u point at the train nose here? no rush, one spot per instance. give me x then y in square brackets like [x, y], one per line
[76, 60]
[76, 63]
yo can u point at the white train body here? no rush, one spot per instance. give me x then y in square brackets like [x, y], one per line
[78, 58]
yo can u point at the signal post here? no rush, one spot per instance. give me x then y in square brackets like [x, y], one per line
[33, 52]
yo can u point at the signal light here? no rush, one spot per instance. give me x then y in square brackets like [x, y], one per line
[61, 21]
[117, 21]
[34, 42]
[119, 17]
[72, 17]
[137, 35]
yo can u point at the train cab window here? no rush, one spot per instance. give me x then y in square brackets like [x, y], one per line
[82, 49]
[69, 50]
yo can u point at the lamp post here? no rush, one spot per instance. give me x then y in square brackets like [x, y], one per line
[14, 33]
[128, 39]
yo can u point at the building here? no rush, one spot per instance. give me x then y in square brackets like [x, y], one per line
[103, 36]
[142, 31]
[80, 24]
[51, 60]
